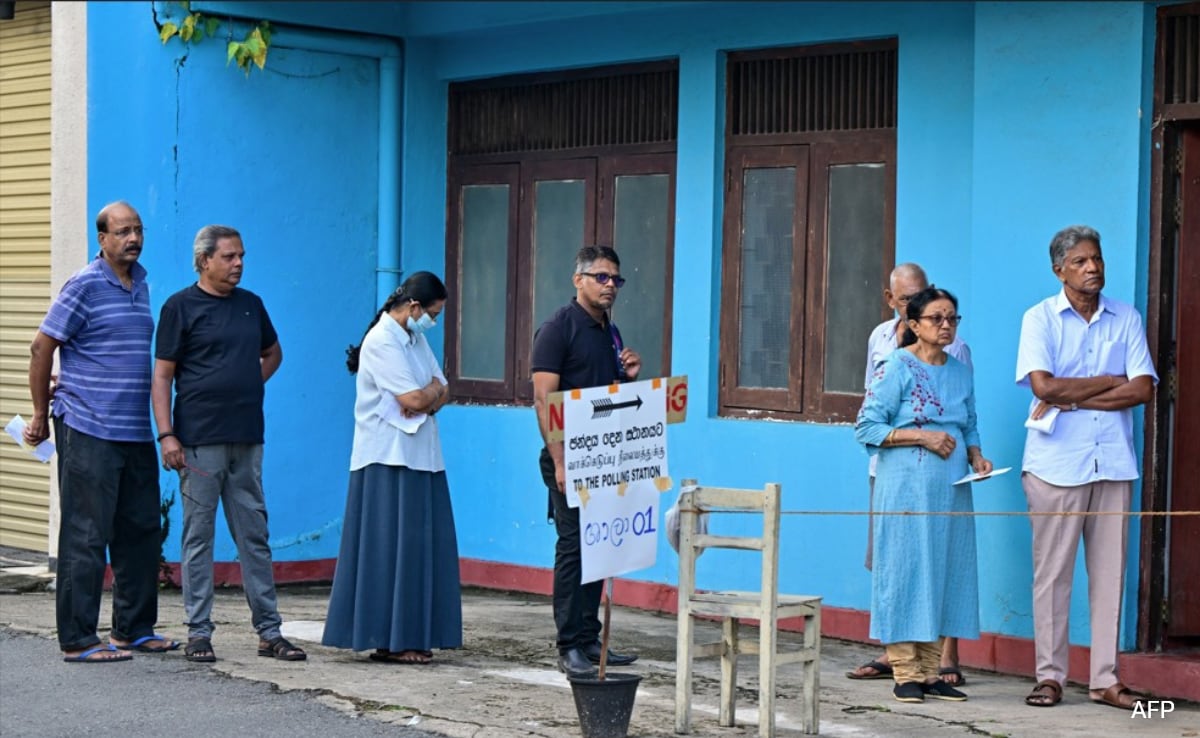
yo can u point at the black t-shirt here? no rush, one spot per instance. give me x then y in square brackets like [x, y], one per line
[581, 351]
[216, 344]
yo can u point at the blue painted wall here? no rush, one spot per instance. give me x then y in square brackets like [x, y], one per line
[990, 116]
[1007, 132]
[290, 158]
[1059, 139]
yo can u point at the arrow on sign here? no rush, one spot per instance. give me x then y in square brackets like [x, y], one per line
[604, 408]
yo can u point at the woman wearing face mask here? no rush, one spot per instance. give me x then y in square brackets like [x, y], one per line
[396, 586]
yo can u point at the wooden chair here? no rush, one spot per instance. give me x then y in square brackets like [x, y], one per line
[766, 606]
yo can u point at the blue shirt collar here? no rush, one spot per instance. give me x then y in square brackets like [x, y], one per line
[137, 273]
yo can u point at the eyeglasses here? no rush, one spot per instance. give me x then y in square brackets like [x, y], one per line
[604, 277]
[953, 320]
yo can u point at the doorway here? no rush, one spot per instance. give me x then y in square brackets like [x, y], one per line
[1182, 566]
[1169, 602]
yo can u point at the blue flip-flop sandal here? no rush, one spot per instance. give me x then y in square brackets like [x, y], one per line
[85, 657]
[140, 644]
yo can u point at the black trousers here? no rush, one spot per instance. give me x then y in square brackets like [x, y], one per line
[109, 499]
[575, 604]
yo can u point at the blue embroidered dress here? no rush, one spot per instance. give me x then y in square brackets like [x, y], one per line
[925, 582]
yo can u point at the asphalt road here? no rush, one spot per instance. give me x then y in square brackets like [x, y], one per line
[154, 695]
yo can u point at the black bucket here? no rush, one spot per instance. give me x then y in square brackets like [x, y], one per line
[604, 705]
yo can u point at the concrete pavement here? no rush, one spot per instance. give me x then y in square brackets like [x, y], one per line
[503, 682]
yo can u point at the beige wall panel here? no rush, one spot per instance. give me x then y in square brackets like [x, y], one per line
[24, 257]
[29, 164]
[18, 144]
[14, 128]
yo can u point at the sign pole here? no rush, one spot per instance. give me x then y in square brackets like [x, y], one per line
[608, 585]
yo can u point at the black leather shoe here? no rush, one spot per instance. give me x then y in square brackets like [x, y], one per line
[614, 659]
[574, 663]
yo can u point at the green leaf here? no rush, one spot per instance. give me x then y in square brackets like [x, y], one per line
[231, 51]
[211, 25]
[198, 34]
[243, 60]
[261, 58]
[253, 45]
[168, 30]
[187, 30]
[265, 31]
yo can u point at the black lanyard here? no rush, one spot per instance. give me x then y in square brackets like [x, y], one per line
[617, 348]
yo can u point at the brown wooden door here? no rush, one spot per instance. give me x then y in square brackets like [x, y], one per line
[1183, 577]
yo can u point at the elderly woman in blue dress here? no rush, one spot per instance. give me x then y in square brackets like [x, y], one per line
[919, 417]
[396, 586]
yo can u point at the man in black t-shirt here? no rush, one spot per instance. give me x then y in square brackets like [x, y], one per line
[578, 347]
[217, 345]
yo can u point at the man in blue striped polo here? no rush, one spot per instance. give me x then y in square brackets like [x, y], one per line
[101, 325]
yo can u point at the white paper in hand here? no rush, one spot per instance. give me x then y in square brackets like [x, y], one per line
[42, 452]
[1045, 424]
[973, 477]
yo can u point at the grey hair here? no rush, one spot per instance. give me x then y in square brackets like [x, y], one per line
[206, 242]
[588, 255]
[908, 269]
[1068, 238]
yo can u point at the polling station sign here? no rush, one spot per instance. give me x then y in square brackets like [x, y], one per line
[614, 435]
[618, 531]
[615, 452]
[677, 402]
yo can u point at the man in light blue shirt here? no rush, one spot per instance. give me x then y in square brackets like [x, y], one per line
[1085, 358]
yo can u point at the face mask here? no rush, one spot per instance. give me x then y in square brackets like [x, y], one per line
[421, 324]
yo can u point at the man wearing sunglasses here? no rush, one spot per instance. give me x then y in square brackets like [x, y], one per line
[579, 346]
[905, 282]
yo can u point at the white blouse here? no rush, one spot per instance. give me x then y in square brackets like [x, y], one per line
[394, 362]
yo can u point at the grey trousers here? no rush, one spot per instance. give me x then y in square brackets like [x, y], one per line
[232, 474]
[1055, 545]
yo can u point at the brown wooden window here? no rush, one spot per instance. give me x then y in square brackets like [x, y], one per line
[808, 227]
[540, 166]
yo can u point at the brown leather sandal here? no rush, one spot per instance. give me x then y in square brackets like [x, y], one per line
[1047, 693]
[1119, 696]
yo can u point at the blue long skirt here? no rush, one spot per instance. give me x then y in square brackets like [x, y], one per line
[396, 584]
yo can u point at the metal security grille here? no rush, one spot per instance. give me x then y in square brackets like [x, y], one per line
[803, 90]
[1181, 73]
[24, 258]
[534, 113]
